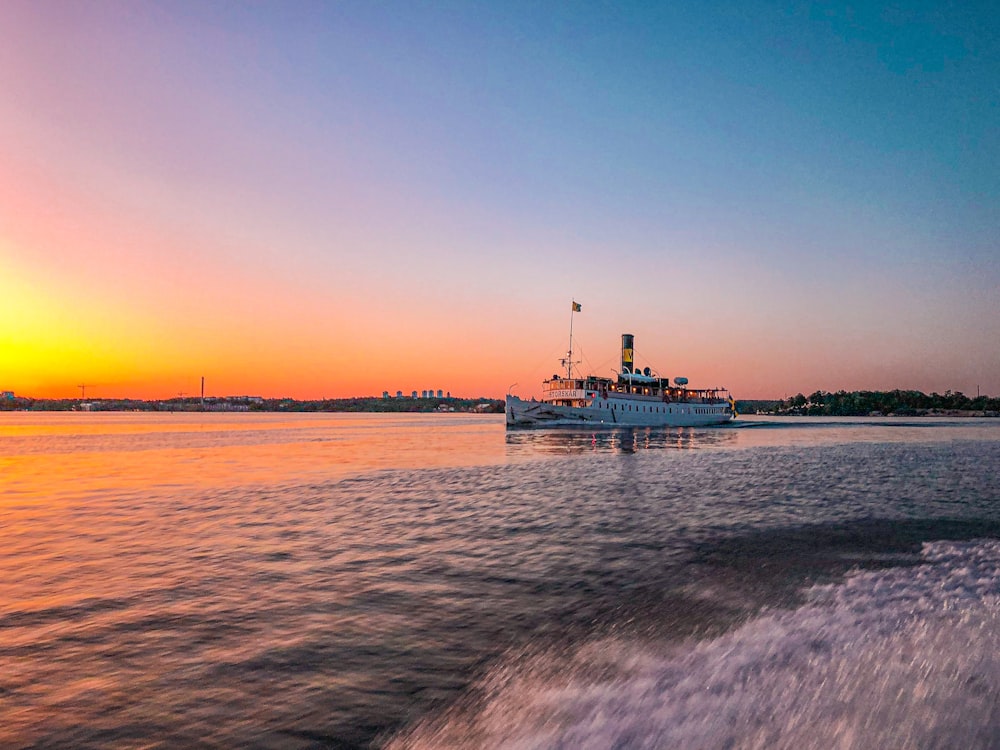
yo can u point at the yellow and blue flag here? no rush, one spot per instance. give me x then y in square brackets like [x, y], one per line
[577, 307]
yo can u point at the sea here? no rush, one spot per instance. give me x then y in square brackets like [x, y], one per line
[195, 580]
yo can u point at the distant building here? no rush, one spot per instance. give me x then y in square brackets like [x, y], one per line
[7, 395]
[423, 394]
[449, 394]
[399, 394]
[413, 395]
[440, 393]
[385, 394]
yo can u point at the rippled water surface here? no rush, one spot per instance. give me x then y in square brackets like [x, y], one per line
[287, 581]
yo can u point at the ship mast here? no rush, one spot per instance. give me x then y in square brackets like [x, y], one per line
[568, 361]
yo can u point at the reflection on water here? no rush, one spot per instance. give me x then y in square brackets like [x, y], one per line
[747, 432]
[565, 440]
[64, 455]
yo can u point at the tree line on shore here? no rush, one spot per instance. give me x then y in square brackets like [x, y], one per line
[863, 403]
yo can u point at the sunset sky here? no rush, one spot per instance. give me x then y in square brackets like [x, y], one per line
[333, 199]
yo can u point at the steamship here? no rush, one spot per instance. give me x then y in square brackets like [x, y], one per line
[633, 398]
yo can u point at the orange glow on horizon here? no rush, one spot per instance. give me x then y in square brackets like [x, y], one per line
[141, 310]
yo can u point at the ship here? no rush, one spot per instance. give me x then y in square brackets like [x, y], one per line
[634, 398]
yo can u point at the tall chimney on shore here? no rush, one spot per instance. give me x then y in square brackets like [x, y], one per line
[627, 355]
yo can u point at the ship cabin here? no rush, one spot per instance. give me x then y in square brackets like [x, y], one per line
[582, 392]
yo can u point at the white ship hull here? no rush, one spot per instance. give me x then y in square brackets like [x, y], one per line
[617, 409]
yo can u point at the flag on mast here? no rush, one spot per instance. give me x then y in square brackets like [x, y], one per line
[576, 306]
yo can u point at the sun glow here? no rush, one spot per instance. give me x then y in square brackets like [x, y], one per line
[51, 343]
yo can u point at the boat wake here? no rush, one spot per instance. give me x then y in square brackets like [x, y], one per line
[905, 657]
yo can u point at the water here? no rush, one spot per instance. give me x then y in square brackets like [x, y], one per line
[428, 581]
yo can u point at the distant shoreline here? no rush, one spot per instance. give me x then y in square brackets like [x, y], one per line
[896, 403]
[237, 404]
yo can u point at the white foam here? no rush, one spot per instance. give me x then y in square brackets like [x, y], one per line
[903, 658]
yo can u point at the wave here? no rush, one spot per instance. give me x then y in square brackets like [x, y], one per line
[905, 657]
